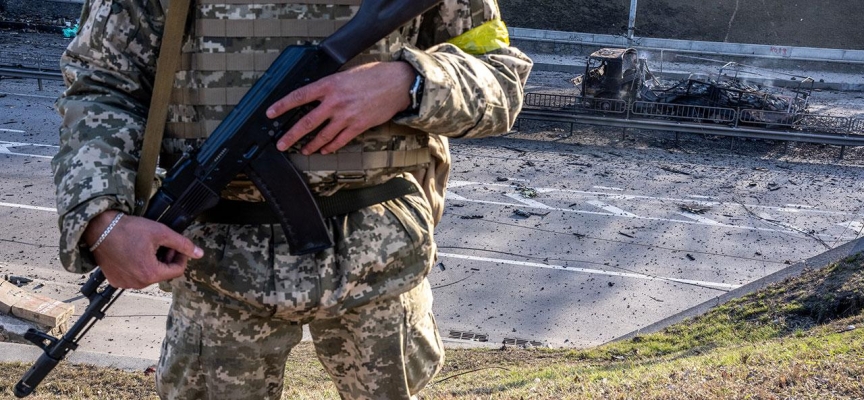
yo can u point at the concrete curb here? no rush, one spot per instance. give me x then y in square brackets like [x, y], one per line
[24, 353]
[814, 263]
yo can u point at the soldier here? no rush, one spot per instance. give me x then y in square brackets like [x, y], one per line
[239, 298]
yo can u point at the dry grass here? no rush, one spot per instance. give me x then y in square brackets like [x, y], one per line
[801, 339]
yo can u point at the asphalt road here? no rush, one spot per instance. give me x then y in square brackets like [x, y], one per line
[556, 240]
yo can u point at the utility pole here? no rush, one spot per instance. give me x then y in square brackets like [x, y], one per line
[631, 25]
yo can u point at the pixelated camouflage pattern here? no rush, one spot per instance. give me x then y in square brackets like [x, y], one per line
[382, 252]
[110, 66]
[389, 349]
[196, 119]
[355, 296]
[213, 348]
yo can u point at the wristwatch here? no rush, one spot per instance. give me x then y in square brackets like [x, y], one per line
[416, 94]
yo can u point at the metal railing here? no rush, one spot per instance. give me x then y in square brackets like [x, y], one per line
[683, 112]
[749, 123]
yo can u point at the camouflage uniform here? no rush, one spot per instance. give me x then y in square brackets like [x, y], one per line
[238, 311]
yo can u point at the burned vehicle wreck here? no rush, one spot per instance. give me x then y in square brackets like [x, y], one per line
[616, 79]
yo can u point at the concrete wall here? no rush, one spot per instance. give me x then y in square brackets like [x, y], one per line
[557, 39]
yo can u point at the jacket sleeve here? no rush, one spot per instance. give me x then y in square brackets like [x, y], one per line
[109, 70]
[465, 95]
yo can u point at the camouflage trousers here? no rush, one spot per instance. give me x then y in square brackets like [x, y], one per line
[239, 311]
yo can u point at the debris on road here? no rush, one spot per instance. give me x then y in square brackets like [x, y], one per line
[673, 170]
[693, 209]
[471, 217]
[17, 280]
[526, 214]
[526, 192]
[522, 213]
[690, 257]
[19, 307]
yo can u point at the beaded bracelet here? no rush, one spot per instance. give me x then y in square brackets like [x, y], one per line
[107, 231]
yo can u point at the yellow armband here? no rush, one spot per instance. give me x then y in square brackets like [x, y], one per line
[490, 36]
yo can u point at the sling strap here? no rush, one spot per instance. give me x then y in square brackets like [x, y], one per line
[166, 67]
[341, 202]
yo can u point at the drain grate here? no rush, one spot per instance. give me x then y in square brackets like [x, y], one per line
[523, 342]
[476, 337]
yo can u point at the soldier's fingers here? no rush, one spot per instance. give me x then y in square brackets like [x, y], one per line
[342, 139]
[173, 267]
[296, 98]
[323, 137]
[311, 121]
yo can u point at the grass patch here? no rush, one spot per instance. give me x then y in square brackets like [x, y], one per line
[801, 338]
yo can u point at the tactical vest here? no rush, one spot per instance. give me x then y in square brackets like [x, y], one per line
[229, 46]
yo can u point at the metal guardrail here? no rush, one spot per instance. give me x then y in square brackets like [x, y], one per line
[41, 61]
[857, 127]
[747, 123]
[30, 73]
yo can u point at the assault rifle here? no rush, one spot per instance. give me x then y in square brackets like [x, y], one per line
[245, 141]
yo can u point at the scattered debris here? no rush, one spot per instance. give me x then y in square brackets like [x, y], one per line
[581, 164]
[624, 234]
[522, 213]
[17, 280]
[673, 170]
[441, 266]
[693, 209]
[774, 186]
[526, 192]
[49, 315]
[502, 179]
[471, 217]
[611, 284]
[150, 370]
[515, 149]
[690, 257]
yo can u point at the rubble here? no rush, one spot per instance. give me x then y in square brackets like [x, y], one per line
[21, 310]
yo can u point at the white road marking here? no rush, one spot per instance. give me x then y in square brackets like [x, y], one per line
[608, 188]
[4, 149]
[612, 209]
[699, 218]
[856, 226]
[24, 206]
[718, 285]
[457, 183]
[11, 130]
[528, 202]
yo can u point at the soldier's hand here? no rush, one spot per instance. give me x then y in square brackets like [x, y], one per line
[127, 255]
[351, 102]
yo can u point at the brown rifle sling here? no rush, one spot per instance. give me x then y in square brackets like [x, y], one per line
[166, 67]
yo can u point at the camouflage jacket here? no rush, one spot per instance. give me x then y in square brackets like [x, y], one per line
[109, 69]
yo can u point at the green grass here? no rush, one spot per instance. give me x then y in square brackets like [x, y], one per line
[802, 338]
